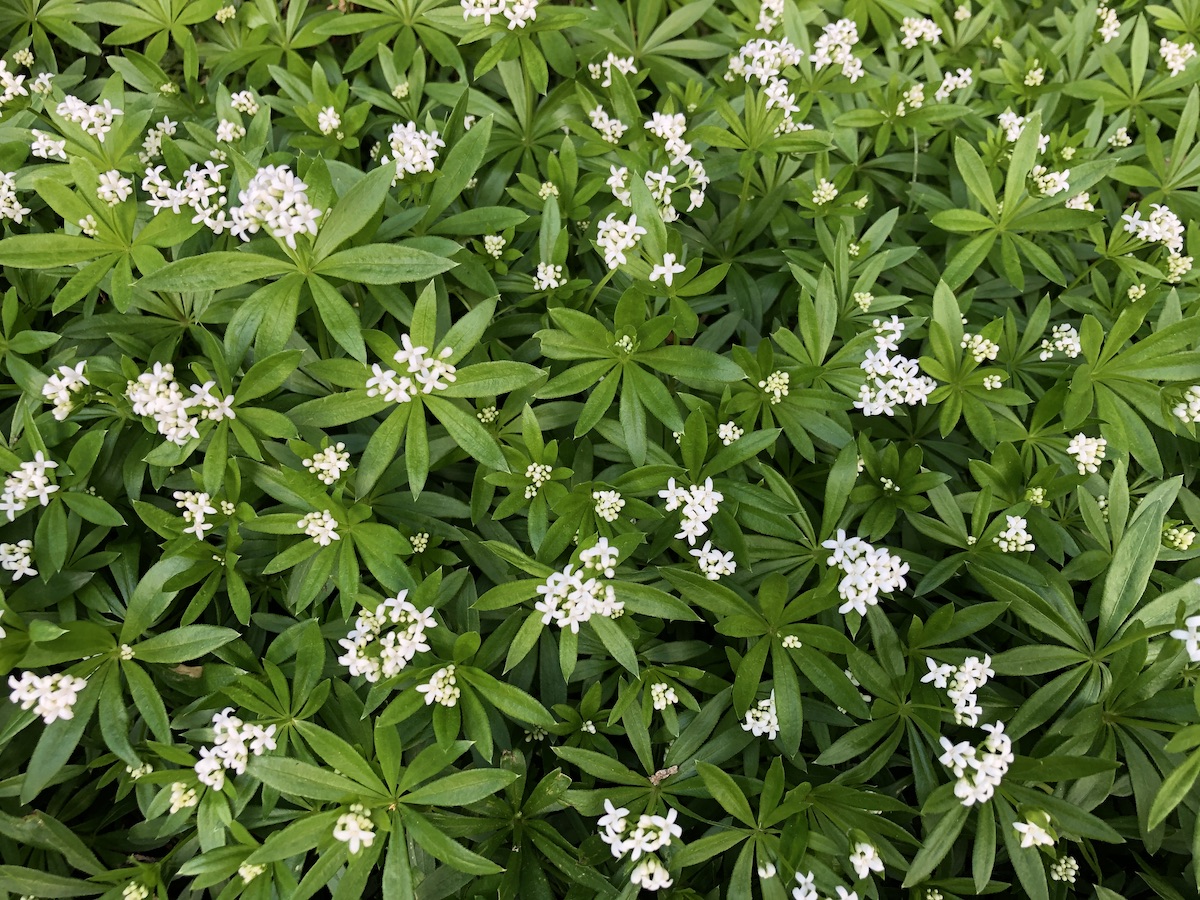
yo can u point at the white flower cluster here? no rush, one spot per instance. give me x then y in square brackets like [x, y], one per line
[1190, 635]
[610, 128]
[1033, 832]
[135, 890]
[1081, 201]
[441, 688]
[46, 146]
[1176, 55]
[233, 743]
[826, 191]
[913, 98]
[61, 387]
[249, 871]
[865, 859]
[517, 12]
[196, 509]
[646, 838]
[320, 526]
[355, 828]
[667, 269]
[960, 684]
[494, 245]
[538, 474]
[1014, 538]
[113, 188]
[770, 14]
[1120, 138]
[776, 384]
[1108, 25]
[713, 563]
[158, 395]
[1175, 537]
[225, 14]
[1064, 869]
[1188, 409]
[662, 695]
[229, 131]
[547, 190]
[835, 46]
[329, 464]
[28, 482]
[1014, 126]
[548, 277]
[602, 71]
[615, 237]
[95, 120]
[608, 504]
[980, 347]
[1064, 339]
[1177, 267]
[10, 206]
[426, 374]
[413, 150]
[1050, 184]
[763, 59]
[50, 696]
[958, 80]
[891, 380]
[201, 189]
[699, 502]
[729, 432]
[915, 30]
[419, 541]
[276, 201]
[572, 596]
[1162, 227]
[385, 640]
[979, 769]
[761, 719]
[244, 102]
[18, 559]
[1087, 452]
[183, 797]
[869, 572]
[329, 121]
[12, 84]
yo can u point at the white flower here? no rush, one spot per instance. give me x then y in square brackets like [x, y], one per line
[651, 875]
[183, 797]
[1176, 55]
[1120, 138]
[1014, 538]
[914, 30]
[355, 828]
[61, 387]
[244, 102]
[1087, 452]
[320, 526]
[413, 150]
[95, 120]
[623, 64]
[825, 193]
[762, 719]
[1162, 226]
[1109, 25]
[662, 695]
[135, 890]
[608, 504]
[548, 277]
[1190, 635]
[249, 871]
[980, 347]
[547, 190]
[276, 201]
[951, 82]
[1033, 835]
[441, 688]
[611, 129]
[229, 131]
[865, 859]
[713, 563]
[419, 541]
[234, 742]
[51, 696]
[329, 464]
[835, 46]
[196, 509]
[569, 598]
[28, 482]
[494, 245]
[45, 146]
[385, 640]
[1064, 869]
[225, 13]
[114, 188]
[667, 270]
[1188, 410]
[1081, 201]
[1065, 339]
[10, 207]
[776, 384]
[806, 890]
[615, 237]
[869, 572]
[328, 120]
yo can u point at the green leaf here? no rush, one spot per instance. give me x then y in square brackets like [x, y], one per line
[1175, 788]
[35, 883]
[354, 210]
[725, 791]
[467, 432]
[293, 777]
[183, 644]
[48, 251]
[339, 317]
[384, 264]
[149, 601]
[693, 366]
[937, 844]
[214, 271]
[448, 850]
[460, 165]
[461, 788]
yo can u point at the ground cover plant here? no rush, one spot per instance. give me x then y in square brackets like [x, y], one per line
[504, 449]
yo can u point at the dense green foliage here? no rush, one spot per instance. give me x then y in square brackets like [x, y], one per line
[508, 449]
